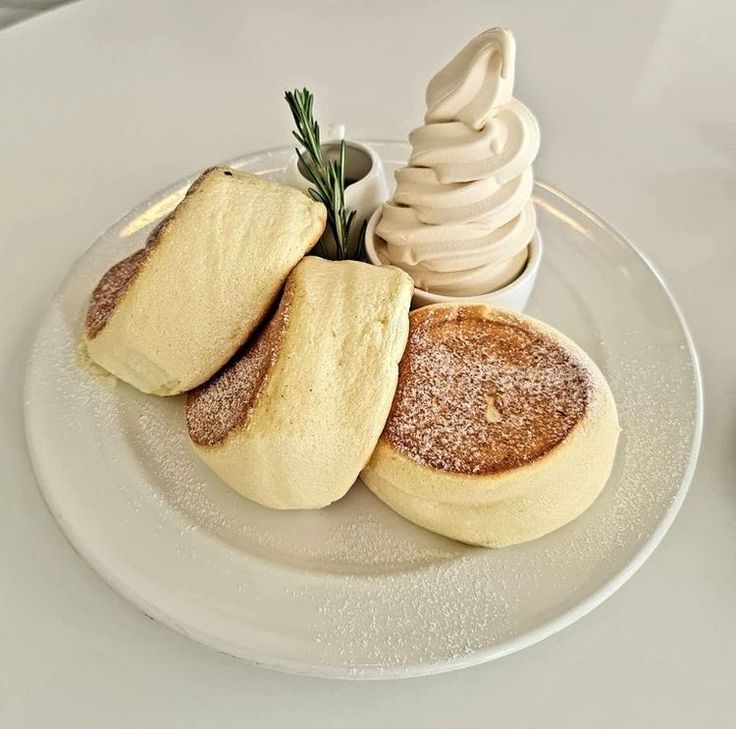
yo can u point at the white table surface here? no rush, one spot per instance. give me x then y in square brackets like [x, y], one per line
[102, 104]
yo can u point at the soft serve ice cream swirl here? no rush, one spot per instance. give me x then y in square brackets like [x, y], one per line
[461, 218]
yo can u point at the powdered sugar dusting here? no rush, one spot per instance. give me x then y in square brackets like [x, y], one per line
[462, 364]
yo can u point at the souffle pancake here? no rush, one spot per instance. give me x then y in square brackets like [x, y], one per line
[170, 315]
[501, 430]
[294, 417]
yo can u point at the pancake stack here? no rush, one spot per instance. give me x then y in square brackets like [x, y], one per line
[479, 424]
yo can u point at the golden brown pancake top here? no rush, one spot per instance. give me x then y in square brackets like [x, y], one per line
[110, 289]
[224, 403]
[481, 392]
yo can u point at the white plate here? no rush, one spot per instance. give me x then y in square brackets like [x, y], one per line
[353, 590]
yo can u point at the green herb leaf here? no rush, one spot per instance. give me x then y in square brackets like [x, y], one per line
[328, 178]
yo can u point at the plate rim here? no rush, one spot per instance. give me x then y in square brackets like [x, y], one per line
[380, 672]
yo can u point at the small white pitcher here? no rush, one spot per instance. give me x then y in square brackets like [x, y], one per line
[365, 184]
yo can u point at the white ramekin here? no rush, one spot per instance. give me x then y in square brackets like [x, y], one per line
[367, 191]
[513, 296]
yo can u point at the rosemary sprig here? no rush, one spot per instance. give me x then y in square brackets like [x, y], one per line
[328, 178]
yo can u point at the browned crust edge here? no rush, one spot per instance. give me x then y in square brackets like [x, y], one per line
[223, 387]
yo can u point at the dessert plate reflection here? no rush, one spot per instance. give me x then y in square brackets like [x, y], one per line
[354, 590]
